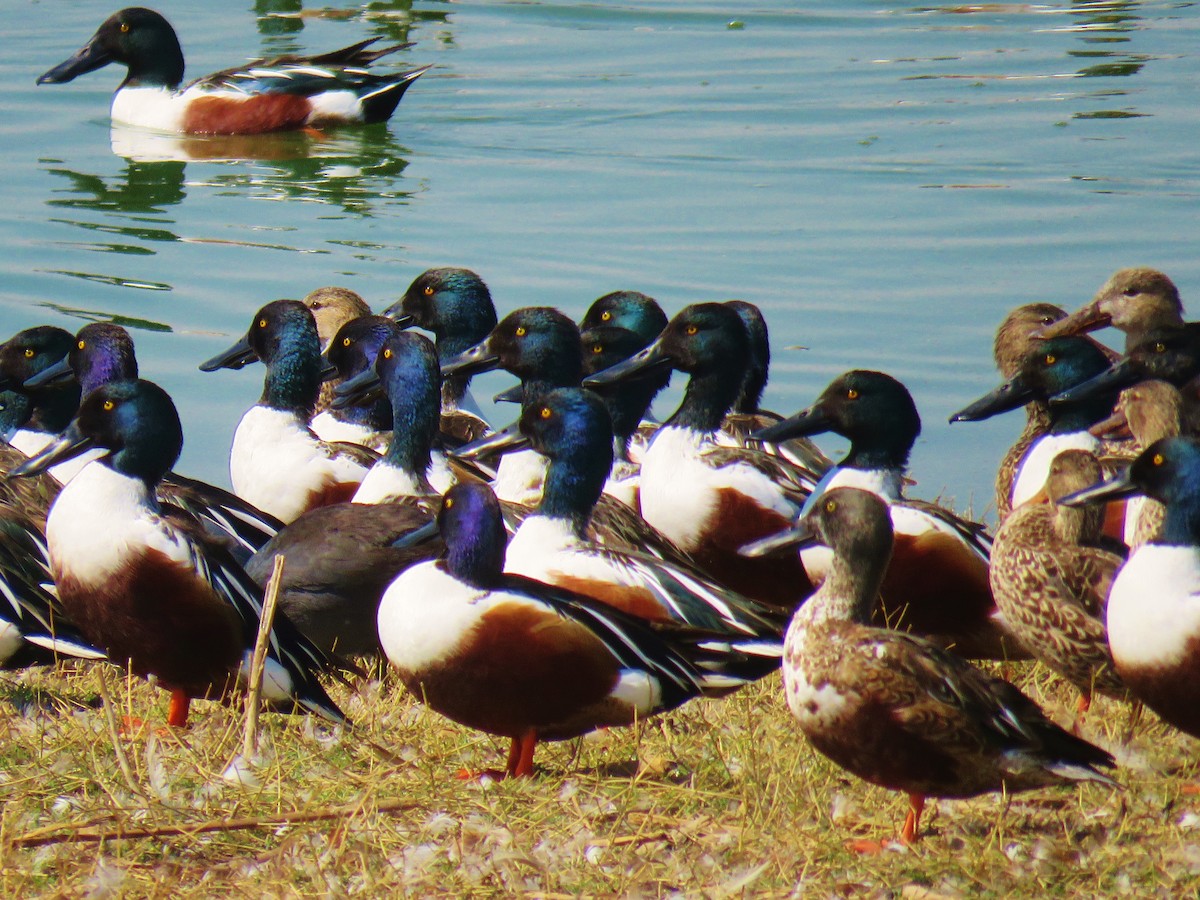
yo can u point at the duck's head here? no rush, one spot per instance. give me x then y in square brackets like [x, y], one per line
[135, 421]
[603, 347]
[357, 344]
[700, 339]
[1133, 300]
[30, 352]
[102, 352]
[279, 329]
[138, 38]
[472, 527]
[759, 365]
[1049, 368]
[333, 307]
[453, 304]
[1152, 409]
[631, 310]
[872, 409]
[1020, 331]
[1169, 354]
[537, 344]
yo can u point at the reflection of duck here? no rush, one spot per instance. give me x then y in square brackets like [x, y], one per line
[278, 94]
[145, 187]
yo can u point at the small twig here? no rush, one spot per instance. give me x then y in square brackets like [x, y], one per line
[259, 660]
[115, 733]
[295, 817]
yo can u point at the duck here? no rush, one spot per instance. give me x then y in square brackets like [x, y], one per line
[896, 710]
[30, 496]
[1152, 620]
[1135, 300]
[571, 428]
[104, 352]
[332, 307]
[352, 350]
[143, 582]
[937, 582]
[524, 660]
[1049, 368]
[1051, 574]
[456, 307]
[341, 557]
[707, 498]
[276, 462]
[283, 93]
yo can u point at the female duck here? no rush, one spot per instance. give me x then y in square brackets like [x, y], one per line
[896, 710]
[520, 659]
[1136, 301]
[264, 95]
[937, 582]
[710, 499]
[142, 582]
[276, 462]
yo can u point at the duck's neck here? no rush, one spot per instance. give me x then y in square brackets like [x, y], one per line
[293, 381]
[573, 486]
[1077, 526]
[1181, 527]
[54, 408]
[375, 416]
[706, 400]
[1082, 415]
[454, 387]
[849, 592]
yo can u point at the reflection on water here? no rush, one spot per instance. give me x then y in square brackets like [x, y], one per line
[143, 188]
[94, 315]
[389, 20]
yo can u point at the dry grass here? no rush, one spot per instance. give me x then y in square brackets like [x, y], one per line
[718, 799]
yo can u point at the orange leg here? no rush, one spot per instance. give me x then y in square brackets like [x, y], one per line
[1081, 708]
[177, 716]
[911, 832]
[520, 757]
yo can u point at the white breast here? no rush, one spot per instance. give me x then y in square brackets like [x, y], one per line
[158, 108]
[520, 476]
[1035, 464]
[330, 428]
[1154, 606]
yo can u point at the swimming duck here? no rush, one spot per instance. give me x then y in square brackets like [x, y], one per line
[1136, 301]
[707, 498]
[570, 427]
[1051, 578]
[353, 350]
[456, 307]
[286, 92]
[937, 582]
[1049, 368]
[142, 581]
[332, 307]
[104, 352]
[520, 659]
[276, 462]
[896, 710]
[1153, 621]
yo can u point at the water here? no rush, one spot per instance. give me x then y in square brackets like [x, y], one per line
[886, 182]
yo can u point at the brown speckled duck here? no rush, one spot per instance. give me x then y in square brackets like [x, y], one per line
[896, 710]
[1051, 580]
[1135, 300]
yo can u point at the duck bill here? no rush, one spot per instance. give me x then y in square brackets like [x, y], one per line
[236, 357]
[798, 536]
[515, 394]
[1116, 379]
[418, 536]
[506, 441]
[68, 445]
[365, 387]
[472, 361]
[650, 359]
[58, 374]
[1013, 394]
[814, 420]
[90, 57]
[1119, 487]
[1086, 318]
[328, 370]
[1115, 427]
[396, 313]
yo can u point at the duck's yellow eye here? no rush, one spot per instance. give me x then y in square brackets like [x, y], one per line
[520, 331]
[448, 503]
[124, 28]
[692, 329]
[1158, 459]
[605, 316]
[1051, 359]
[262, 323]
[546, 412]
[29, 354]
[1160, 347]
[598, 348]
[830, 506]
[852, 394]
[108, 405]
[345, 342]
[387, 352]
[81, 344]
[429, 290]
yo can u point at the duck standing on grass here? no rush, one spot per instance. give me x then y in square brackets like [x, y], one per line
[896, 710]
[142, 581]
[286, 92]
[521, 659]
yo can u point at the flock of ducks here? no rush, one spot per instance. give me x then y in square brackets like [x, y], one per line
[587, 566]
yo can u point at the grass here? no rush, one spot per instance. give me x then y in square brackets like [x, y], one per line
[721, 798]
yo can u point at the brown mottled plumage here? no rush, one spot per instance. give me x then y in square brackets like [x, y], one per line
[1134, 300]
[896, 710]
[332, 307]
[1052, 583]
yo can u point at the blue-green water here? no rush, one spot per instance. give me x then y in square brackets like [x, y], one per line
[886, 182]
